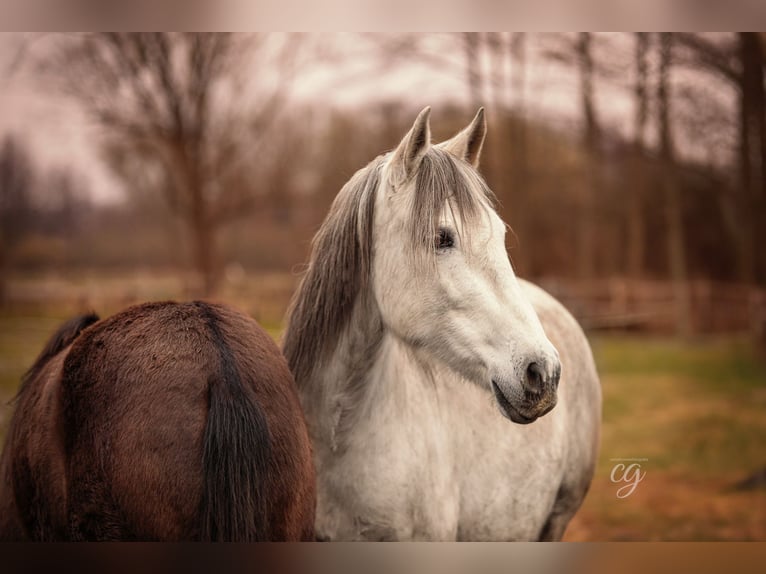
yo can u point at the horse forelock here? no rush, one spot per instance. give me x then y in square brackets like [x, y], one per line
[444, 181]
[340, 264]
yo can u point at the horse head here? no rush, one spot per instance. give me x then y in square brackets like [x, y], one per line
[441, 276]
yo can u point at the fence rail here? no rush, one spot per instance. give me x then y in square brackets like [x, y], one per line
[653, 306]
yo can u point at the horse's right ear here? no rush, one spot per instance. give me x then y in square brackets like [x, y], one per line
[467, 144]
[408, 155]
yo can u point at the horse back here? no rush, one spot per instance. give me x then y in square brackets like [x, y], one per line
[173, 417]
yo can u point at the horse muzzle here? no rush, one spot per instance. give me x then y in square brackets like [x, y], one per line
[535, 397]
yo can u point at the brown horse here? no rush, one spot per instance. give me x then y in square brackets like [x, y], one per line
[168, 421]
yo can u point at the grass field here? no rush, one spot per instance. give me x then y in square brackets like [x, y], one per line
[695, 410]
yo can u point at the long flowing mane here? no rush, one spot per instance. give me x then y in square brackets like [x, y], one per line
[340, 264]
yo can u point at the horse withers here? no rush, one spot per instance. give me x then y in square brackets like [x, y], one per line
[168, 421]
[446, 399]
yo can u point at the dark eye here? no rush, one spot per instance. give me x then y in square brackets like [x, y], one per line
[445, 239]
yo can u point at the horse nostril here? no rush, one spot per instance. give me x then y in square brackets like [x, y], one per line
[535, 377]
[539, 378]
[556, 376]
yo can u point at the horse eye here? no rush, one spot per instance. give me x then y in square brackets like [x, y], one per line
[445, 240]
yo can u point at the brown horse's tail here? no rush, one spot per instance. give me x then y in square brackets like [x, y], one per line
[236, 453]
[61, 339]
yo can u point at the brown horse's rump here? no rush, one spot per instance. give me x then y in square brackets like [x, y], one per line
[167, 421]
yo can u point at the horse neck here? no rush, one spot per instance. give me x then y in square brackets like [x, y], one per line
[337, 381]
[365, 367]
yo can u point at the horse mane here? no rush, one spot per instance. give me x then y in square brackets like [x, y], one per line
[338, 270]
[60, 340]
[340, 263]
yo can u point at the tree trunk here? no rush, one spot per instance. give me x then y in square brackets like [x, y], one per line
[517, 129]
[204, 253]
[638, 180]
[471, 42]
[674, 206]
[200, 220]
[752, 157]
[495, 155]
[591, 136]
[497, 70]
[3, 276]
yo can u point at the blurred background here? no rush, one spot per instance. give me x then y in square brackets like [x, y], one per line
[631, 168]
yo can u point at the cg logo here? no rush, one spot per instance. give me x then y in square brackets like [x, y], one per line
[630, 474]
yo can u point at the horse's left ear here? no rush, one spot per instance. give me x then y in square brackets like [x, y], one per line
[467, 144]
[408, 155]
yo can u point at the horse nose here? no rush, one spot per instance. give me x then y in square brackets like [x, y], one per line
[543, 374]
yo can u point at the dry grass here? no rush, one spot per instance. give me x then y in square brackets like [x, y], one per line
[697, 412]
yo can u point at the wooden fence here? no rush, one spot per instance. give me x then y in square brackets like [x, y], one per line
[653, 306]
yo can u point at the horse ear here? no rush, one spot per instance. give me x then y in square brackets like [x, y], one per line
[467, 144]
[411, 149]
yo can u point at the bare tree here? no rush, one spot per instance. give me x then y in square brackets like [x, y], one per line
[738, 60]
[519, 161]
[169, 106]
[64, 205]
[16, 180]
[635, 202]
[472, 44]
[676, 248]
[578, 51]
[752, 145]
[592, 143]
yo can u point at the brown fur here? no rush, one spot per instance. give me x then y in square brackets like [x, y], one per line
[107, 439]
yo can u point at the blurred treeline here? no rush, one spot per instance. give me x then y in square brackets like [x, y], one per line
[221, 168]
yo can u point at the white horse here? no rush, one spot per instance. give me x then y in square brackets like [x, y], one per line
[424, 364]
